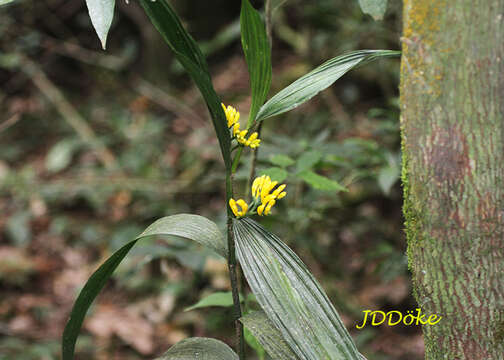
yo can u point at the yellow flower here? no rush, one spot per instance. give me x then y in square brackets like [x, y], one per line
[265, 194]
[240, 137]
[234, 207]
[269, 206]
[236, 129]
[261, 191]
[232, 116]
[279, 193]
[253, 141]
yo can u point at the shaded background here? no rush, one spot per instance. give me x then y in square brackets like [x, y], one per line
[94, 146]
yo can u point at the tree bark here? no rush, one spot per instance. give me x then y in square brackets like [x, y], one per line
[452, 128]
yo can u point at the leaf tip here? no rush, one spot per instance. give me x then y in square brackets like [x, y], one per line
[104, 43]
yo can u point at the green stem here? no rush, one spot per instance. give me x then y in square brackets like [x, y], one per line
[268, 10]
[236, 161]
[232, 266]
[253, 163]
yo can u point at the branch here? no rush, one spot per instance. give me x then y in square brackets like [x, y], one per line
[9, 122]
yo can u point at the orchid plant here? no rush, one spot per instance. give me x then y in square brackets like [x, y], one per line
[296, 320]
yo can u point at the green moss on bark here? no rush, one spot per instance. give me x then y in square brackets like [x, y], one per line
[452, 140]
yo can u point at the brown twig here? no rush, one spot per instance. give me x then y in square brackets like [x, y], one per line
[84, 55]
[165, 100]
[115, 63]
[9, 122]
[67, 111]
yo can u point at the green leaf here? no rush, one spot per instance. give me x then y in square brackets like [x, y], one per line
[86, 297]
[387, 177]
[268, 335]
[192, 227]
[60, 155]
[18, 228]
[5, 2]
[375, 8]
[308, 160]
[199, 348]
[320, 182]
[101, 13]
[290, 296]
[254, 344]
[317, 80]
[170, 27]
[281, 160]
[257, 51]
[224, 299]
[275, 173]
[190, 56]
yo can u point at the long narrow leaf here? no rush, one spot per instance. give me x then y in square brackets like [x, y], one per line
[86, 297]
[317, 80]
[200, 349]
[290, 295]
[257, 51]
[170, 27]
[101, 13]
[190, 56]
[192, 227]
[268, 335]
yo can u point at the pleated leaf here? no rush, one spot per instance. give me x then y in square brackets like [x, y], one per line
[268, 335]
[192, 59]
[257, 51]
[290, 296]
[101, 13]
[317, 80]
[189, 226]
[192, 227]
[199, 349]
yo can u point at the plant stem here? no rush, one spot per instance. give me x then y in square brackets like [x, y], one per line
[232, 265]
[253, 162]
[268, 12]
[236, 161]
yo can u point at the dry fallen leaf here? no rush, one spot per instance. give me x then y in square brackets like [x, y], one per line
[133, 329]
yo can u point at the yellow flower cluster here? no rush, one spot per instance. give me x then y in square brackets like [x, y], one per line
[264, 197]
[232, 117]
[234, 207]
[261, 188]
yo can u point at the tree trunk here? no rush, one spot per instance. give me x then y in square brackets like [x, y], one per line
[452, 124]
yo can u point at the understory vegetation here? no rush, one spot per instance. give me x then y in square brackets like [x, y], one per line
[95, 146]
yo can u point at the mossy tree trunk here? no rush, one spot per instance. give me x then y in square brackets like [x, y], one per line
[452, 105]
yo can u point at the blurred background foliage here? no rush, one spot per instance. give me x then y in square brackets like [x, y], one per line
[94, 146]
